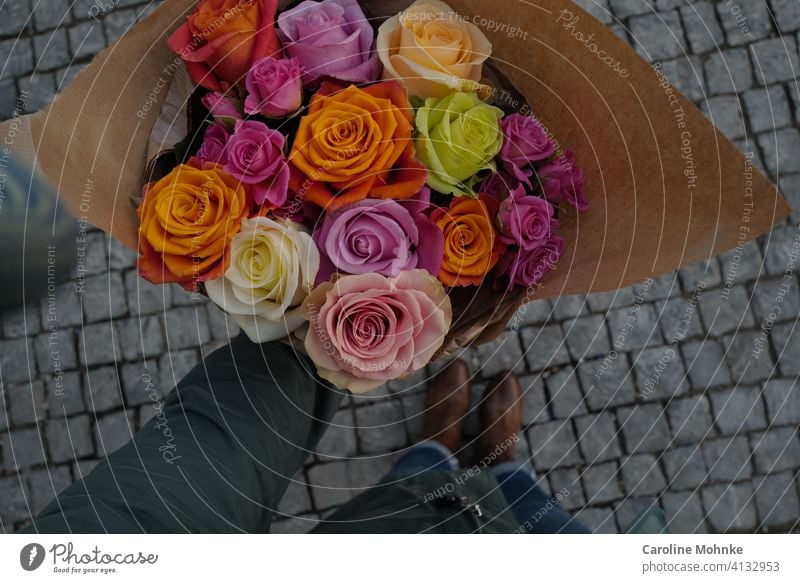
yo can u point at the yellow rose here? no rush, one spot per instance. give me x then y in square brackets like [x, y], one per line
[432, 50]
[272, 268]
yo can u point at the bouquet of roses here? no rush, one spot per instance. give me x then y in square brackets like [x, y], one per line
[344, 183]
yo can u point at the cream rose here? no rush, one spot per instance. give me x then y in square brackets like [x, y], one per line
[272, 268]
[432, 50]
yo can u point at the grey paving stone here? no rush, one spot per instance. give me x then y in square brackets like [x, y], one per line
[660, 373]
[144, 297]
[45, 484]
[553, 445]
[534, 399]
[22, 448]
[783, 401]
[776, 500]
[604, 301]
[567, 481]
[13, 505]
[569, 307]
[601, 483]
[776, 450]
[744, 22]
[186, 327]
[684, 512]
[726, 313]
[173, 366]
[53, 13]
[702, 29]
[607, 382]
[706, 364]
[786, 341]
[741, 264]
[19, 56]
[339, 440]
[118, 23]
[790, 187]
[146, 413]
[70, 439]
[86, 39]
[738, 410]
[704, 272]
[501, 355]
[15, 18]
[775, 60]
[104, 297]
[685, 467]
[599, 520]
[728, 459]
[50, 50]
[597, 8]
[679, 319]
[778, 246]
[26, 403]
[730, 507]
[381, 427]
[414, 409]
[658, 288]
[222, 326]
[65, 394]
[113, 431]
[335, 483]
[725, 112]
[566, 399]
[635, 327]
[767, 108]
[628, 510]
[103, 391]
[586, 337]
[535, 312]
[41, 88]
[544, 347]
[139, 382]
[642, 475]
[21, 322]
[787, 16]
[778, 147]
[180, 297]
[644, 428]
[8, 98]
[597, 437]
[297, 499]
[140, 337]
[686, 74]
[748, 365]
[55, 350]
[65, 76]
[17, 362]
[625, 8]
[667, 4]
[690, 419]
[658, 36]
[729, 71]
[64, 309]
[98, 344]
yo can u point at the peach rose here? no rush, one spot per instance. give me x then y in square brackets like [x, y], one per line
[188, 219]
[432, 50]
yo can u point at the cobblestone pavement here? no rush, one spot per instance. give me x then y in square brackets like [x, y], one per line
[645, 395]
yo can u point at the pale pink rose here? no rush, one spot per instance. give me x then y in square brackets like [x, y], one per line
[367, 329]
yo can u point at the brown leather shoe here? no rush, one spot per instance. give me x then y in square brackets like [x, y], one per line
[446, 405]
[500, 414]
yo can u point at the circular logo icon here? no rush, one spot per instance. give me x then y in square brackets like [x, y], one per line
[31, 556]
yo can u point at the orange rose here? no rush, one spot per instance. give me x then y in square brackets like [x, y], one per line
[187, 221]
[356, 143]
[471, 244]
[222, 39]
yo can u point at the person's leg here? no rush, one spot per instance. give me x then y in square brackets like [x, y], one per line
[217, 457]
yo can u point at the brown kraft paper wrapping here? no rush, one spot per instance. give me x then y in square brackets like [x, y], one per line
[667, 189]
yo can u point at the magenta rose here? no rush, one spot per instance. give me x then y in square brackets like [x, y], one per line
[525, 141]
[215, 140]
[562, 181]
[330, 38]
[255, 156]
[527, 221]
[274, 87]
[499, 184]
[223, 107]
[367, 329]
[526, 268]
[379, 236]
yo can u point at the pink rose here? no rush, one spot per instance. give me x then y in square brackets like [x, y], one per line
[368, 329]
[562, 181]
[255, 156]
[223, 107]
[527, 221]
[215, 140]
[274, 87]
[525, 142]
[526, 268]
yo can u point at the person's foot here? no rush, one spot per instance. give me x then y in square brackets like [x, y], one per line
[500, 416]
[446, 405]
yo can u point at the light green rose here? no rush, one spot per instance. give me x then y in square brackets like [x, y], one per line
[457, 137]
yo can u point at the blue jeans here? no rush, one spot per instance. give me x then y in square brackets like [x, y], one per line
[536, 512]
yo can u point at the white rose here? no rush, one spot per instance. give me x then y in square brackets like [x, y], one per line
[431, 50]
[273, 264]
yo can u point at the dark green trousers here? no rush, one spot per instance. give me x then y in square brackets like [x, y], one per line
[219, 457]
